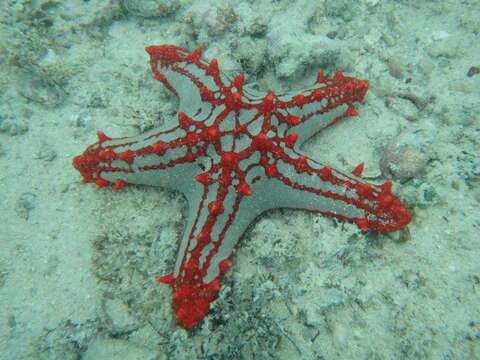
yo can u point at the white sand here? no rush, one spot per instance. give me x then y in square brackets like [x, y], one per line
[302, 286]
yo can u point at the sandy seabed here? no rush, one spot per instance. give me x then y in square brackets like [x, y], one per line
[78, 265]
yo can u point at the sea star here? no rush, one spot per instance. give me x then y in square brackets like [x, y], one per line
[234, 154]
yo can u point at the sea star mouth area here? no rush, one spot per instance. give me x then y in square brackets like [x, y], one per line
[234, 153]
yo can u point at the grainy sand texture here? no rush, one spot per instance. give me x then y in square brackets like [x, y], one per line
[78, 264]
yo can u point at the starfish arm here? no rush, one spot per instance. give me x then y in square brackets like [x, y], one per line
[308, 185]
[309, 111]
[200, 86]
[216, 220]
[205, 93]
[161, 157]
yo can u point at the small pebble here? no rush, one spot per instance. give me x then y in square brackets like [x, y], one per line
[474, 70]
[406, 155]
[25, 204]
[46, 153]
[395, 68]
[116, 317]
